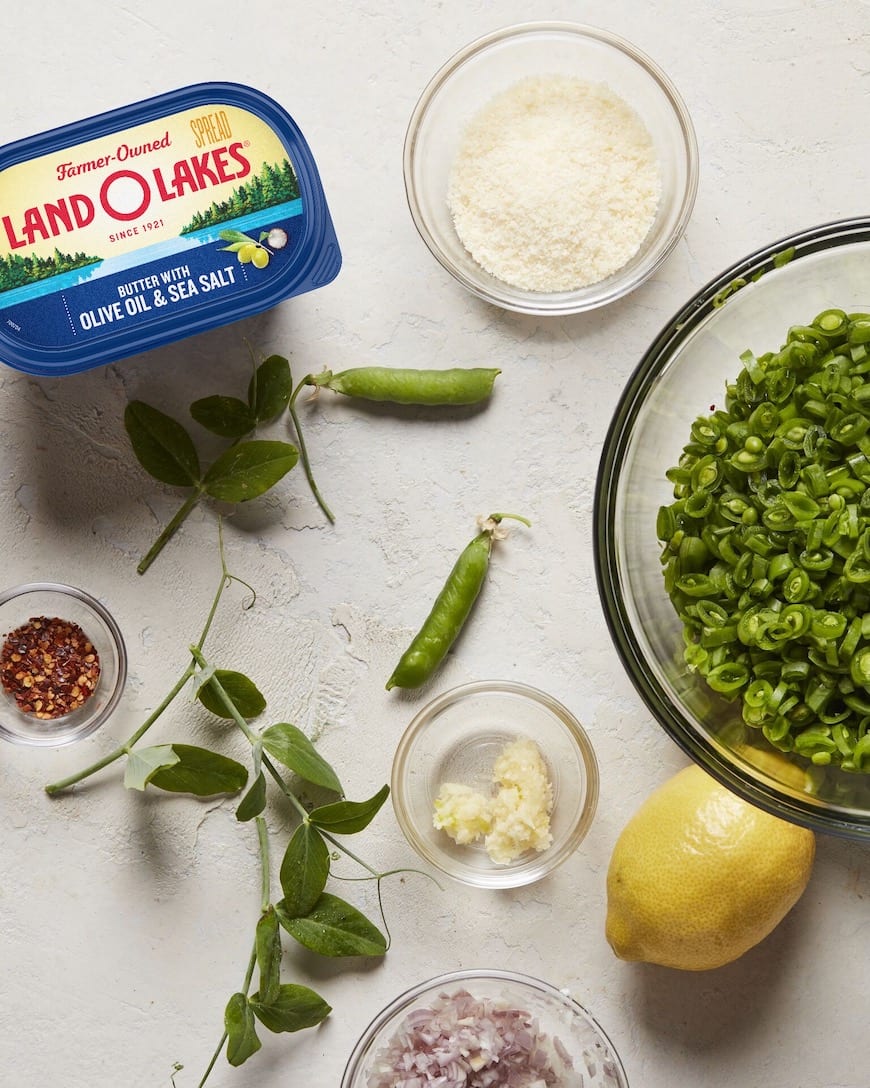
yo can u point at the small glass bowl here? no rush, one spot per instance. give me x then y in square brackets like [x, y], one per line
[23, 603]
[492, 64]
[594, 1059]
[457, 738]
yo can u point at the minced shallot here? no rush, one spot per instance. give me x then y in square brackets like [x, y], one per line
[459, 1041]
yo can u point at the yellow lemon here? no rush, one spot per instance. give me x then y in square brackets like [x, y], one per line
[698, 876]
[776, 765]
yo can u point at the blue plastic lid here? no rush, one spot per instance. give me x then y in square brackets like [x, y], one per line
[153, 222]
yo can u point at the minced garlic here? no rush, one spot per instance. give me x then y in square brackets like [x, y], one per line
[462, 812]
[514, 819]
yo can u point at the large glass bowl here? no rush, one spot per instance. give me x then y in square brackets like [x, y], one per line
[491, 65]
[583, 1054]
[684, 373]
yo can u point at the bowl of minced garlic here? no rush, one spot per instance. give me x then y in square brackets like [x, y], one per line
[495, 783]
[550, 167]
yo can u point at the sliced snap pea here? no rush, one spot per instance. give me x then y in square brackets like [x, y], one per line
[450, 610]
[766, 552]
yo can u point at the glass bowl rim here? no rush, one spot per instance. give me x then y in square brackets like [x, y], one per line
[803, 810]
[116, 637]
[509, 876]
[564, 303]
[547, 989]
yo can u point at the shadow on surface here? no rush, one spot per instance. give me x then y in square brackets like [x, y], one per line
[716, 1010]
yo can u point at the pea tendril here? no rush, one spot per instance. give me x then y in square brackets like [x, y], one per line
[316, 918]
[249, 467]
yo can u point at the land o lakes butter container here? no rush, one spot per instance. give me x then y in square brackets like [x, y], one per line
[153, 222]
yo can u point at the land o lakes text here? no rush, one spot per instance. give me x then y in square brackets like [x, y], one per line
[66, 214]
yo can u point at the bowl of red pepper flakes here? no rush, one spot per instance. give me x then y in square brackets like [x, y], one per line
[63, 664]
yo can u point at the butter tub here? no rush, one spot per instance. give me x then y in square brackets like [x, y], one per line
[153, 222]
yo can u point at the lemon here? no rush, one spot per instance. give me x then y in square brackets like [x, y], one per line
[775, 765]
[699, 876]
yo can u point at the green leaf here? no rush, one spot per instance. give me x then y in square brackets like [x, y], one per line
[144, 763]
[295, 1008]
[334, 928]
[348, 817]
[241, 1030]
[229, 417]
[234, 248]
[270, 388]
[234, 236]
[268, 949]
[244, 694]
[290, 746]
[162, 446]
[304, 870]
[254, 801]
[245, 471]
[200, 772]
[264, 234]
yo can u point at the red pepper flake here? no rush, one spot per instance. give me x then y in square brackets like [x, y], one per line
[49, 666]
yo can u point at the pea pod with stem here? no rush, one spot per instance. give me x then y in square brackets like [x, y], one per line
[451, 609]
[396, 385]
[401, 385]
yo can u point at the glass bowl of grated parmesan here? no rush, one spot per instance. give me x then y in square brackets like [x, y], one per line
[550, 167]
[484, 1027]
[495, 783]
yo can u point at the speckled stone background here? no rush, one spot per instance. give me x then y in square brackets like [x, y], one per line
[126, 919]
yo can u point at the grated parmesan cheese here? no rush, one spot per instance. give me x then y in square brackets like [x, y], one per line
[555, 185]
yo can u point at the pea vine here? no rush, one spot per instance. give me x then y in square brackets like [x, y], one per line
[316, 918]
[250, 467]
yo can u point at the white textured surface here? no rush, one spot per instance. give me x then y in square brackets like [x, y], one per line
[126, 920]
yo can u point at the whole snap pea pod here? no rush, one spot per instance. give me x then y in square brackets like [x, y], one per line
[450, 610]
[400, 385]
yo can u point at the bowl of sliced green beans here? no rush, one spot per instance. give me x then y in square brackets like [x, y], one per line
[732, 528]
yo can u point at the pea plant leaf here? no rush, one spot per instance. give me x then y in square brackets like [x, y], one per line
[227, 416]
[162, 446]
[241, 1030]
[244, 694]
[349, 817]
[334, 928]
[289, 745]
[254, 801]
[270, 388]
[144, 763]
[304, 870]
[268, 951]
[294, 1008]
[200, 772]
[249, 469]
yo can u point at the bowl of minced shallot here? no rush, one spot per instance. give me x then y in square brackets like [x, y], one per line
[550, 167]
[484, 1029]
